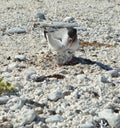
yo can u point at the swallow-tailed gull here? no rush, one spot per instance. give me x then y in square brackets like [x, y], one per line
[63, 42]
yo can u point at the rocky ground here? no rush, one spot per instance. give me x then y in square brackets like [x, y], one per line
[84, 95]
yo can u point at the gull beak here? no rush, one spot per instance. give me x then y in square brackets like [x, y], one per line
[72, 40]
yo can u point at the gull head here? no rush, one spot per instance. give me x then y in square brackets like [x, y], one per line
[72, 33]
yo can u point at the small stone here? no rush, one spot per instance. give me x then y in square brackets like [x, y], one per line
[18, 85]
[59, 110]
[12, 66]
[40, 111]
[15, 103]
[82, 78]
[55, 96]
[29, 73]
[8, 58]
[78, 111]
[6, 125]
[66, 93]
[16, 30]
[54, 119]
[29, 125]
[52, 112]
[83, 29]
[118, 40]
[114, 73]
[3, 100]
[44, 126]
[71, 88]
[20, 58]
[39, 91]
[68, 19]
[109, 37]
[37, 78]
[64, 72]
[40, 15]
[28, 116]
[116, 100]
[6, 75]
[103, 79]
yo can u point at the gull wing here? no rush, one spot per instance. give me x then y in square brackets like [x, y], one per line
[59, 33]
[58, 39]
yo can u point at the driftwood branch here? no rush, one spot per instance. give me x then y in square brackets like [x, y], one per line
[58, 25]
[55, 24]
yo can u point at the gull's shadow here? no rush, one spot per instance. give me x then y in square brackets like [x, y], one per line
[77, 60]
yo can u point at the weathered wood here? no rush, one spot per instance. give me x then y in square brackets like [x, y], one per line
[56, 24]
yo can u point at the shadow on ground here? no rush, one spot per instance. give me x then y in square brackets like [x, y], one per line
[77, 60]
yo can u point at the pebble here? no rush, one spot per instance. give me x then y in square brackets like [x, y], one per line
[6, 75]
[44, 126]
[6, 125]
[28, 126]
[15, 103]
[55, 95]
[20, 58]
[116, 99]
[54, 119]
[37, 78]
[82, 78]
[68, 19]
[114, 73]
[29, 73]
[64, 72]
[3, 100]
[28, 116]
[12, 66]
[16, 30]
[59, 110]
[40, 16]
[31, 125]
[70, 87]
[18, 85]
[104, 79]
